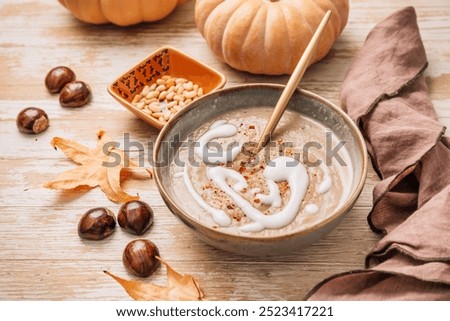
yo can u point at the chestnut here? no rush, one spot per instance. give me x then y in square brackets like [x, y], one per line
[32, 120]
[96, 224]
[57, 78]
[75, 94]
[135, 217]
[139, 257]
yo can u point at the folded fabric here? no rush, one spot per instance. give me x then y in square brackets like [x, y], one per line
[385, 93]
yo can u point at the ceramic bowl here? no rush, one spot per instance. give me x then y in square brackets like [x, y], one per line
[164, 61]
[214, 105]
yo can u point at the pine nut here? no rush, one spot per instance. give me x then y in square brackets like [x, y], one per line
[170, 96]
[140, 105]
[136, 98]
[189, 94]
[152, 94]
[178, 98]
[149, 101]
[170, 83]
[167, 115]
[162, 95]
[160, 88]
[155, 107]
[145, 91]
[188, 86]
[166, 96]
[171, 104]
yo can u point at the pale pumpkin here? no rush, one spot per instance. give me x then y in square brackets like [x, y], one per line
[267, 36]
[120, 12]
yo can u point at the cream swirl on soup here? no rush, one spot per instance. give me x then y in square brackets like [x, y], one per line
[280, 188]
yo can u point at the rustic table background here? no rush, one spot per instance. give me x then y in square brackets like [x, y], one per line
[41, 255]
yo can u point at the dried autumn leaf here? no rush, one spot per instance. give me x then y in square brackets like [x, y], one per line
[102, 166]
[180, 287]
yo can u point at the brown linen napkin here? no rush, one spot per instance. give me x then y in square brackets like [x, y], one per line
[385, 93]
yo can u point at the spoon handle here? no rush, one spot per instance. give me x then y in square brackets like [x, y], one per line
[294, 80]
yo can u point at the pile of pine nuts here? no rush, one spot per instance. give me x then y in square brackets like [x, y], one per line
[166, 96]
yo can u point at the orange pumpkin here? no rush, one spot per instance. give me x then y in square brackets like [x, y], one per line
[120, 12]
[267, 36]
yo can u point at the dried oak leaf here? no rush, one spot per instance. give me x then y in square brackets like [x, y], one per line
[180, 287]
[102, 166]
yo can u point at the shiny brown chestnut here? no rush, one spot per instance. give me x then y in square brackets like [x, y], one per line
[75, 94]
[139, 257]
[135, 217]
[96, 224]
[32, 120]
[58, 77]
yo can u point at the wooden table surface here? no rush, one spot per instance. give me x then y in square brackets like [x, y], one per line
[41, 255]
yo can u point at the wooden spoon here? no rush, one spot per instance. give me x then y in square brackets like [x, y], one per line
[294, 80]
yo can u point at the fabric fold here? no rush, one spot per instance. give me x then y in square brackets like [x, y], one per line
[385, 93]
